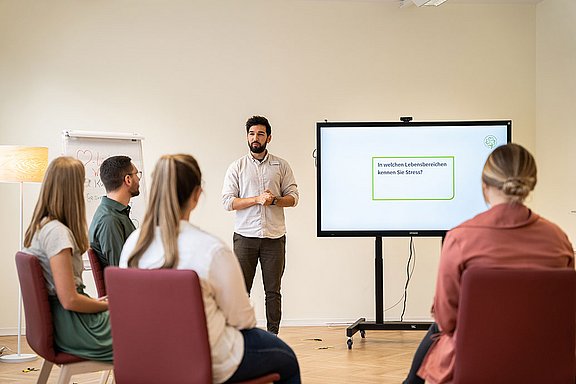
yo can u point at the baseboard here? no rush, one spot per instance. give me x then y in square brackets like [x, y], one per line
[11, 331]
[342, 322]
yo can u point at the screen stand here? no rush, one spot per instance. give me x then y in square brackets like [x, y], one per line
[380, 325]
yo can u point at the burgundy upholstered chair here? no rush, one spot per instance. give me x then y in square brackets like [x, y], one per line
[40, 328]
[159, 327]
[97, 272]
[516, 326]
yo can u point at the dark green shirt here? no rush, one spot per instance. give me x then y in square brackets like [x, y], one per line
[110, 227]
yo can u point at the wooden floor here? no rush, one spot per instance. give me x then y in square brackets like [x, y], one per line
[382, 357]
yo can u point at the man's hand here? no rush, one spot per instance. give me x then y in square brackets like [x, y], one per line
[265, 198]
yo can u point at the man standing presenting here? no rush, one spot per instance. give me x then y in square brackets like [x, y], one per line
[111, 224]
[258, 186]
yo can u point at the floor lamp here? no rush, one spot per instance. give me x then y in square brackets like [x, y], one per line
[19, 164]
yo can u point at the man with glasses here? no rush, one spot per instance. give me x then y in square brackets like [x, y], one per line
[111, 224]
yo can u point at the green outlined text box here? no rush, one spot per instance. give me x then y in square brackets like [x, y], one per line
[413, 178]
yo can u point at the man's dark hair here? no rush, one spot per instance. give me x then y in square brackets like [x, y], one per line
[113, 170]
[258, 120]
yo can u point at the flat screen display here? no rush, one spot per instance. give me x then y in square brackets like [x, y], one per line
[401, 179]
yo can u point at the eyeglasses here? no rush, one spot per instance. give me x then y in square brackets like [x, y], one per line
[139, 173]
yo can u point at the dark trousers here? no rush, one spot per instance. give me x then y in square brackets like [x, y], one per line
[272, 254]
[265, 353]
[420, 354]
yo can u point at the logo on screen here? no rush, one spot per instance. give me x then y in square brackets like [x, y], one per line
[490, 141]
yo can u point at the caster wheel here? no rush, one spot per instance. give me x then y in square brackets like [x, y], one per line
[362, 333]
[349, 342]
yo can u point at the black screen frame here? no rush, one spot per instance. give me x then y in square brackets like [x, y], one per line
[384, 233]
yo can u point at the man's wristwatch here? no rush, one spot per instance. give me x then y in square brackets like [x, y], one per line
[274, 201]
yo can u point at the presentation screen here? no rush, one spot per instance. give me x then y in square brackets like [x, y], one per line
[401, 179]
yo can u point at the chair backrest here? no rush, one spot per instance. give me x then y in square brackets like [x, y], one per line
[39, 325]
[97, 272]
[516, 326]
[159, 328]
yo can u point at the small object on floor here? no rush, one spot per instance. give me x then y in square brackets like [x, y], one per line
[314, 339]
[30, 370]
[326, 347]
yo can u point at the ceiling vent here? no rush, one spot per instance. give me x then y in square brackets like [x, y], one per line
[420, 3]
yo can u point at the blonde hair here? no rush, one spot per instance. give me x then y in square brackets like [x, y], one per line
[174, 179]
[511, 169]
[62, 198]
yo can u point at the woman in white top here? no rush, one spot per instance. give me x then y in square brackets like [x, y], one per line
[167, 240]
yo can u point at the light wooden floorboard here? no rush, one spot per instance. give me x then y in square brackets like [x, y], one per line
[382, 357]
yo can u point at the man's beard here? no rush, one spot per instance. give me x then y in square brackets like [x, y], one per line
[257, 149]
[135, 193]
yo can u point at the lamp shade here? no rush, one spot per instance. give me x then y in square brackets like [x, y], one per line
[22, 164]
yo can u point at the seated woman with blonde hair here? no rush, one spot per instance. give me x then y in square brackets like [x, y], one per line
[167, 239]
[58, 237]
[508, 235]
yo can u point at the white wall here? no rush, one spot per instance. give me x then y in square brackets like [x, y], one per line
[187, 74]
[556, 98]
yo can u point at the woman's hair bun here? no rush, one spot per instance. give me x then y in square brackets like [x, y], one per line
[518, 186]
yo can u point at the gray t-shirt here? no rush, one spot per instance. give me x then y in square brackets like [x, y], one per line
[50, 240]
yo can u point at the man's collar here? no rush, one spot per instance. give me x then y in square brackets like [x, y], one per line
[115, 205]
[258, 160]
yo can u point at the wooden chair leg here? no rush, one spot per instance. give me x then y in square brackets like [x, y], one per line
[65, 374]
[87, 366]
[104, 377]
[45, 372]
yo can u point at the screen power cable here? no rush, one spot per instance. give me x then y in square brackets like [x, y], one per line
[410, 265]
[315, 157]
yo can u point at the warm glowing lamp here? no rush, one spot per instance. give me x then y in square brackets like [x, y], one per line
[19, 164]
